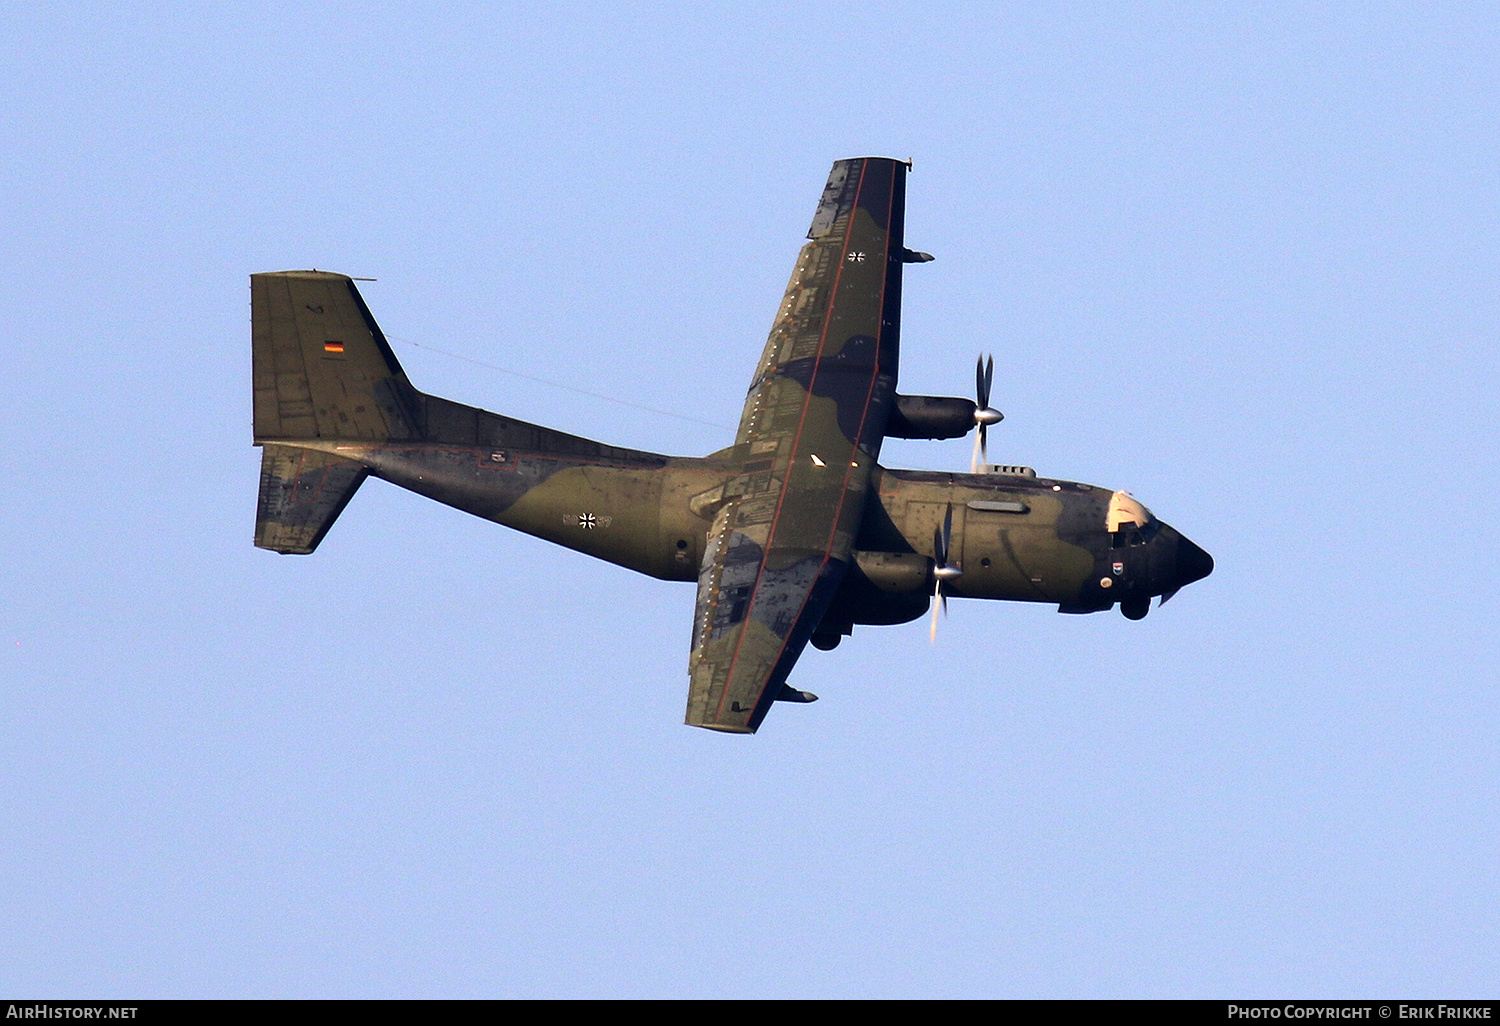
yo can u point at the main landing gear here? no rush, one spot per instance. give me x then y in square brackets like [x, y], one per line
[1136, 607]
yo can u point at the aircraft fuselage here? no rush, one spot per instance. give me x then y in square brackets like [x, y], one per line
[1015, 537]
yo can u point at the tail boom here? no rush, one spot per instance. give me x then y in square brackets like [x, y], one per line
[333, 406]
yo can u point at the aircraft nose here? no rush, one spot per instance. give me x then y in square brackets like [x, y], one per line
[1193, 564]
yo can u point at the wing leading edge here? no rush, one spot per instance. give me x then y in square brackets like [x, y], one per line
[808, 440]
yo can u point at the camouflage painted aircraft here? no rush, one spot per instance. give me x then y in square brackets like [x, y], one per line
[793, 534]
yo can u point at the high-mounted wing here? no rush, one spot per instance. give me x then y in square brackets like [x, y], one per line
[809, 436]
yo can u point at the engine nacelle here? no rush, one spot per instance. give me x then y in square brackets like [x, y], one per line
[930, 416]
[881, 588]
[896, 572]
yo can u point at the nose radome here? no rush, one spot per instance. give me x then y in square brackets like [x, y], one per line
[1193, 564]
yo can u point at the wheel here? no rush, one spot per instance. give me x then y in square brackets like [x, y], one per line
[1136, 607]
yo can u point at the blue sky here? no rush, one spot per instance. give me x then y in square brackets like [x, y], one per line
[1241, 262]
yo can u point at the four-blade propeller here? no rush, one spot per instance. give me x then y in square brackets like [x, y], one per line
[943, 572]
[984, 415]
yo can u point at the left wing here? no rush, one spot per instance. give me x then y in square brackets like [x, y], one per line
[808, 439]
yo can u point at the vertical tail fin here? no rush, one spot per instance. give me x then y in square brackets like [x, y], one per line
[322, 371]
[322, 368]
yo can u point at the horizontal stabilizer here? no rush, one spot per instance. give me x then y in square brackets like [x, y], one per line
[302, 492]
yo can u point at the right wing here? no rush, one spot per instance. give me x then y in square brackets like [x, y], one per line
[808, 440]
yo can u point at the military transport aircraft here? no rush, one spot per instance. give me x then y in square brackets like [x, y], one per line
[794, 533]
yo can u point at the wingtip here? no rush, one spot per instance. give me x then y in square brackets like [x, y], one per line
[312, 273]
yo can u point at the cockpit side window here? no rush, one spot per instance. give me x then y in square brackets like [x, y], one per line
[1130, 535]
